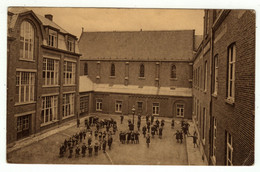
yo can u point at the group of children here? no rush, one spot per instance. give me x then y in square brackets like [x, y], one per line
[95, 141]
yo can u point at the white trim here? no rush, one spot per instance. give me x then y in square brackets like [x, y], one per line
[69, 92]
[26, 70]
[50, 94]
[181, 108]
[51, 57]
[24, 113]
[121, 103]
[70, 60]
[157, 108]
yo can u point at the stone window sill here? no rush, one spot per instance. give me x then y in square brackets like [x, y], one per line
[112, 77]
[214, 95]
[230, 101]
[68, 116]
[46, 86]
[24, 103]
[173, 79]
[28, 60]
[48, 123]
[141, 78]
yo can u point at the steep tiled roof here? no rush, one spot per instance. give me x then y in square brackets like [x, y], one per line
[138, 45]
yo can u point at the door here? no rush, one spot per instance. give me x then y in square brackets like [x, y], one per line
[23, 126]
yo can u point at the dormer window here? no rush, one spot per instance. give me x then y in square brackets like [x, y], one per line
[52, 41]
[71, 44]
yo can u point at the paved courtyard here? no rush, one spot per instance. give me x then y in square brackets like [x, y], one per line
[165, 151]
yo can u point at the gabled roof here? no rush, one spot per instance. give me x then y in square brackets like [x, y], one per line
[15, 11]
[175, 45]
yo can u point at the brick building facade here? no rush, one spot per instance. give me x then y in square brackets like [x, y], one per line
[151, 70]
[223, 87]
[42, 67]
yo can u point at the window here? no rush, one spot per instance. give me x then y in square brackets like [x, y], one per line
[173, 71]
[199, 77]
[25, 84]
[198, 108]
[68, 105]
[229, 149]
[119, 106]
[207, 23]
[52, 41]
[84, 104]
[99, 105]
[205, 76]
[71, 44]
[26, 41]
[112, 70]
[231, 72]
[141, 74]
[214, 138]
[140, 106]
[50, 73]
[204, 124]
[155, 108]
[179, 110]
[85, 69]
[69, 72]
[49, 109]
[216, 74]
[22, 123]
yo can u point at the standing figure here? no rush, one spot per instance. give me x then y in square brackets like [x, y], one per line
[160, 132]
[177, 136]
[148, 140]
[109, 142]
[138, 124]
[78, 123]
[77, 151]
[122, 118]
[104, 144]
[132, 137]
[70, 152]
[123, 137]
[152, 119]
[90, 150]
[153, 131]
[128, 137]
[144, 131]
[62, 150]
[181, 136]
[172, 123]
[83, 149]
[148, 126]
[137, 137]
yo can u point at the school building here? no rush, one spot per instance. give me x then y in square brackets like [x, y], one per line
[223, 88]
[148, 70]
[43, 70]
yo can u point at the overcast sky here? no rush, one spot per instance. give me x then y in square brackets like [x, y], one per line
[105, 19]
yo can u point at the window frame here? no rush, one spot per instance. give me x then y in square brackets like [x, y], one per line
[21, 87]
[229, 147]
[181, 108]
[66, 74]
[216, 63]
[52, 108]
[30, 42]
[142, 71]
[118, 109]
[205, 76]
[156, 108]
[56, 67]
[112, 70]
[71, 44]
[53, 38]
[99, 105]
[173, 72]
[84, 103]
[86, 69]
[214, 139]
[231, 66]
[68, 103]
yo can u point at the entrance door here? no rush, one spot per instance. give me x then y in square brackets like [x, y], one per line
[23, 126]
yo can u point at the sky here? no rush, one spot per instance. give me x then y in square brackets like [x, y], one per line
[123, 19]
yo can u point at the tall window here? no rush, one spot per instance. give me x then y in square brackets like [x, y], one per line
[119, 106]
[229, 149]
[173, 71]
[205, 76]
[68, 105]
[49, 109]
[112, 70]
[140, 106]
[214, 138]
[216, 74]
[204, 124]
[141, 74]
[52, 41]
[155, 108]
[179, 110]
[25, 85]
[99, 105]
[86, 69]
[69, 72]
[71, 44]
[84, 104]
[26, 41]
[22, 123]
[231, 72]
[50, 73]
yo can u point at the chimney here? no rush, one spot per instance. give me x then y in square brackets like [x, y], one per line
[49, 16]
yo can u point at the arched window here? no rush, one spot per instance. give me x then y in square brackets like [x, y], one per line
[141, 70]
[85, 69]
[173, 71]
[26, 41]
[113, 70]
